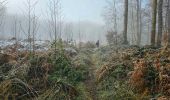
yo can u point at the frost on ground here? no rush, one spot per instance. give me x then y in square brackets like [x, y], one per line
[23, 45]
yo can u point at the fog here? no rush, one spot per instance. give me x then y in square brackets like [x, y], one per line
[87, 29]
[83, 21]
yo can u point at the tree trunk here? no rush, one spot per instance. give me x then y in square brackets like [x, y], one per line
[168, 22]
[154, 13]
[160, 22]
[138, 22]
[29, 25]
[125, 22]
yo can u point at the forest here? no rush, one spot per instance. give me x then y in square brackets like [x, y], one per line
[84, 49]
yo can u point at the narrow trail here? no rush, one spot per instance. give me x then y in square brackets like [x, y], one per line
[91, 81]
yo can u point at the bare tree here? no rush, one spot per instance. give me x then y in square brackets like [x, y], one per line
[55, 19]
[160, 22]
[139, 21]
[147, 20]
[115, 16]
[125, 22]
[168, 12]
[154, 13]
[2, 7]
[111, 16]
[115, 21]
[15, 31]
[79, 33]
[35, 27]
[2, 13]
[69, 32]
[31, 23]
[132, 23]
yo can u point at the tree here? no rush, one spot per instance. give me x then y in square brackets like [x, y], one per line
[160, 22]
[2, 13]
[133, 27]
[113, 17]
[154, 13]
[138, 21]
[35, 27]
[69, 32]
[125, 22]
[15, 31]
[79, 33]
[110, 38]
[147, 20]
[168, 12]
[31, 26]
[55, 20]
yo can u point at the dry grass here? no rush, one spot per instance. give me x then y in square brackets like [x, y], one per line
[16, 89]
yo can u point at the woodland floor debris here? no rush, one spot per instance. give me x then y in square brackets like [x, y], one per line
[128, 72]
[146, 70]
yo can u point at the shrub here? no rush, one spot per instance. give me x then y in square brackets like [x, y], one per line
[64, 70]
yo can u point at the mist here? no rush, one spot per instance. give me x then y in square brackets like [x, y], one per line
[87, 29]
[90, 27]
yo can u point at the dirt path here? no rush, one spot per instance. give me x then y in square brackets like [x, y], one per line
[90, 82]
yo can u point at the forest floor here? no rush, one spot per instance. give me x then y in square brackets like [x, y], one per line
[91, 81]
[89, 74]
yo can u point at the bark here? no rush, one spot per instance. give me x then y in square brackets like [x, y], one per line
[138, 22]
[169, 22]
[154, 13]
[125, 22]
[29, 24]
[160, 22]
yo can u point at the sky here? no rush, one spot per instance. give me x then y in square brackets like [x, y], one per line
[73, 10]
